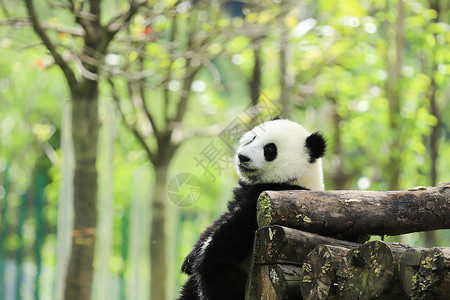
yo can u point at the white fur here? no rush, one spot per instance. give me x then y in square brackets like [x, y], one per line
[292, 161]
[205, 244]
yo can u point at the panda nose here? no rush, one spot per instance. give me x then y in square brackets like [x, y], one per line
[243, 158]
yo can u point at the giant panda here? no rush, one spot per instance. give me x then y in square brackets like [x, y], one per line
[275, 155]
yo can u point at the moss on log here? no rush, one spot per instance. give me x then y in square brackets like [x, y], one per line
[425, 274]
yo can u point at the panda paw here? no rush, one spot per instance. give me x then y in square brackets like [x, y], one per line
[186, 267]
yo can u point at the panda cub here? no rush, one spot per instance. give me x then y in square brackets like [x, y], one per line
[275, 155]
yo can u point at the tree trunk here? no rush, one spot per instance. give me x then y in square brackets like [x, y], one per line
[85, 128]
[158, 250]
[353, 213]
[430, 237]
[284, 87]
[396, 41]
[255, 81]
[340, 175]
[434, 107]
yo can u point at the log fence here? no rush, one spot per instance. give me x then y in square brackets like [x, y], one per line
[313, 245]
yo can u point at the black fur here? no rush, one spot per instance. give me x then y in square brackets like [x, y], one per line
[316, 145]
[216, 272]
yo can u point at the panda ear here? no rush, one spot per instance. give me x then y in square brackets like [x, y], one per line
[276, 118]
[316, 145]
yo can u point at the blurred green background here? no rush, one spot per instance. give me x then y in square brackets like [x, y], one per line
[372, 75]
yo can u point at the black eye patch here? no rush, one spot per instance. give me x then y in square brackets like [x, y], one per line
[270, 152]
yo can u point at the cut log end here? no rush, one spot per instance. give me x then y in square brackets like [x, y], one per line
[278, 282]
[366, 271]
[264, 210]
[422, 273]
[319, 272]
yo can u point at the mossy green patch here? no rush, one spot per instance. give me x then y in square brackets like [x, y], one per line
[264, 210]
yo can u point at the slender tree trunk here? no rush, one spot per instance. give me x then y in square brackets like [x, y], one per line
[340, 176]
[430, 236]
[434, 107]
[158, 275]
[284, 87]
[396, 39]
[255, 80]
[85, 128]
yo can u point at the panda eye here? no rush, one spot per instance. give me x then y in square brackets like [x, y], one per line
[270, 151]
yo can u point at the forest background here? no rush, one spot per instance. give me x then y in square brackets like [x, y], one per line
[130, 109]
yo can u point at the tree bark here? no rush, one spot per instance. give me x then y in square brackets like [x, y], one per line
[85, 128]
[354, 213]
[425, 274]
[319, 272]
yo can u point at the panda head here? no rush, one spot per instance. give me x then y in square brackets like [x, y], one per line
[281, 151]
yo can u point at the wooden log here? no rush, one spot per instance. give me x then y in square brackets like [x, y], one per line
[425, 274]
[346, 214]
[371, 271]
[282, 245]
[278, 282]
[319, 272]
[278, 244]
